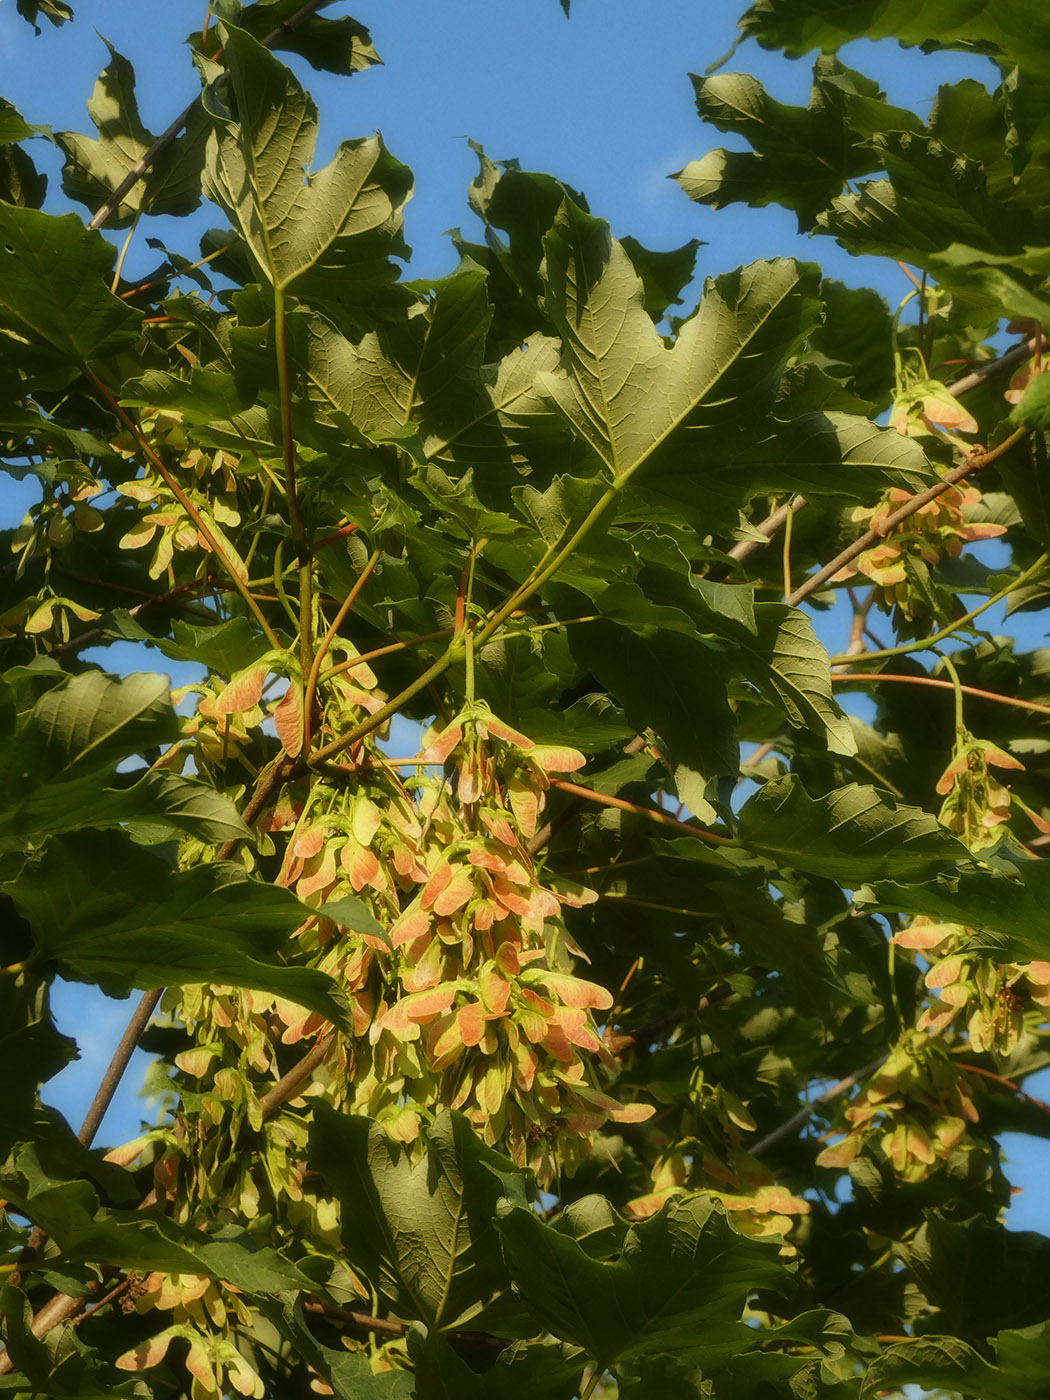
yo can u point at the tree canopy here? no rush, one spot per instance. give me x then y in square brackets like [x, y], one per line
[553, 991]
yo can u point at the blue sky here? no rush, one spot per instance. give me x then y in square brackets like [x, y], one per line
[602, 101]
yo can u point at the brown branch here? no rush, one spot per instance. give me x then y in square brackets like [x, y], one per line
[1007, 1084]
[799, 1119]
[288, 1083]
[975, 462]
[387, 1327]
[384, 1326]
[768, 527]
[114, 1293]
[772, 523]
[838, 677]
[165, 139]
[589, 795]
[117, 1065]
[282, 771]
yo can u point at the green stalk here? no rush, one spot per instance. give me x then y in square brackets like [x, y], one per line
[306, 605]
[188, 506]
[373, 722]
[907, 647]
[545, 570]
[957, 688]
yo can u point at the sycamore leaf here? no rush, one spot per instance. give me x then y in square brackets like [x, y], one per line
[57, 11]
[932, 198]
[666, 681]
[426, 363]
[678, 1284]
[329, 45]
[541, 1370]
[948, 1363]
[257, 163]
[619, 387]
[57, 769]
[54, 286]
[788, 663]
[421, 1233]
[802, 156]
[1010, 914]
[854, 834]
[1013, 33]
[94, 168]
[108, 912]
[348, 1373]
[70, 1213]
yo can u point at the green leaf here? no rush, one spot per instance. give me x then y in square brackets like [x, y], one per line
[20, 181]
[1025, 470]
[1015, 33]
[856, 339]
[932, 198]
[13, 126]
[854, 834]
[1033, 411]
[88, 1232]
[789, 663]
[620, 388]
[94, 168]
[429, 364]
[540, 1370]
[679, 1284]
[664, 275]
[802, 156]
[107, 912]
[31, 1052]
[330, 45]
[57, 11]
[979, 1275]
[54, 286]
[57, 771]
[665, 681]
[945, 1362]
[257, 163]
[349, 1374]
[1008, 913]
[421, 1233]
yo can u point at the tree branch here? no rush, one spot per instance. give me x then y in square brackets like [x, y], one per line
[772, 523]
[975, 462]
[876, 678]
[165, 139]
[799, 1119]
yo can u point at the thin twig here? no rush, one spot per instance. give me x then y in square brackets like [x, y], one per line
[839, 677]
[165, 139]
[288, 1083]
[767, 527]
[117, 1065]
[799, 1119]
[380, 1325]
[772, 523]
[1007, 1084]
[975, 462]
[322, 650]
[589, 795]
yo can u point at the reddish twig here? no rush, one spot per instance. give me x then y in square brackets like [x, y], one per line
[589, 795]
[838, 677]
[975, 462]
[1007, 1084]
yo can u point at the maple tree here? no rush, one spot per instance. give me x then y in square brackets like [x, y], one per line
[565, 1052]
